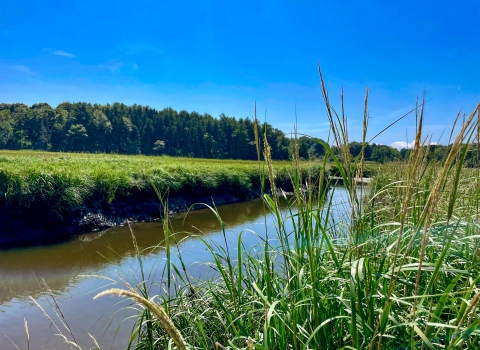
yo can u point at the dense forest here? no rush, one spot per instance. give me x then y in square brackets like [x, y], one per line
[118, 128]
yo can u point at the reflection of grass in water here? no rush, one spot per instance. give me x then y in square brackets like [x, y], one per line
[404, 275]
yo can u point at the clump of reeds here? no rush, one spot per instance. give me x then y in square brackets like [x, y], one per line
[405, 273]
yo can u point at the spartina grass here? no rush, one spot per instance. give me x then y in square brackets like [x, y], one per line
[54, 185]
[155, 309]
[402, 272]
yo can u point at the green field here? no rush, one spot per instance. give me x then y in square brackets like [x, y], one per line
[65, 180]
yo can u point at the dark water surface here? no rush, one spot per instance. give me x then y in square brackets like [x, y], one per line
[67, 269]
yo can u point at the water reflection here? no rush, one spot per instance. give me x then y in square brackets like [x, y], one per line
[107, 254]
[58, 264]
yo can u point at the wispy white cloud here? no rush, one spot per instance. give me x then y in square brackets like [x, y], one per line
[63, 53]
[23, 69]
[402, 144]
[134, 67]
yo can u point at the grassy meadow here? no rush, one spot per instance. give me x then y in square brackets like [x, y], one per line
[63, 181]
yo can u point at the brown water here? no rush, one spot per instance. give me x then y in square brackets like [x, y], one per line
[67, 269]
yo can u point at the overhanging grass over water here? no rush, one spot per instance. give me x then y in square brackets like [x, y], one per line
[62, 181]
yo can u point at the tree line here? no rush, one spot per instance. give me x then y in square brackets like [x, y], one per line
[118, 128]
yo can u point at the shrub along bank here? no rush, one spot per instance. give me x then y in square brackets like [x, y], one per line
[53, 195]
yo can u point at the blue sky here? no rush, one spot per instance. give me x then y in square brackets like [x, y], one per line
[220, 56]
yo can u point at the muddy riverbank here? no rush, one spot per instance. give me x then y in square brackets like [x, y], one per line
[47, 197]
[38, 224]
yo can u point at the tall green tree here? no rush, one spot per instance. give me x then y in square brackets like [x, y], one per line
[99, 129]
[77, 138]
[6, 128]
[383, 154]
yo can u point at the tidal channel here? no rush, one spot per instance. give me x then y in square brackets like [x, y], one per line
[69, 270]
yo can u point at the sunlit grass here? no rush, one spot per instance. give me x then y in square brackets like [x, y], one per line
[62, 181]
[404, 275]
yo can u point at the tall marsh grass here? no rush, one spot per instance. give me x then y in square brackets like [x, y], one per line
[405, 274]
